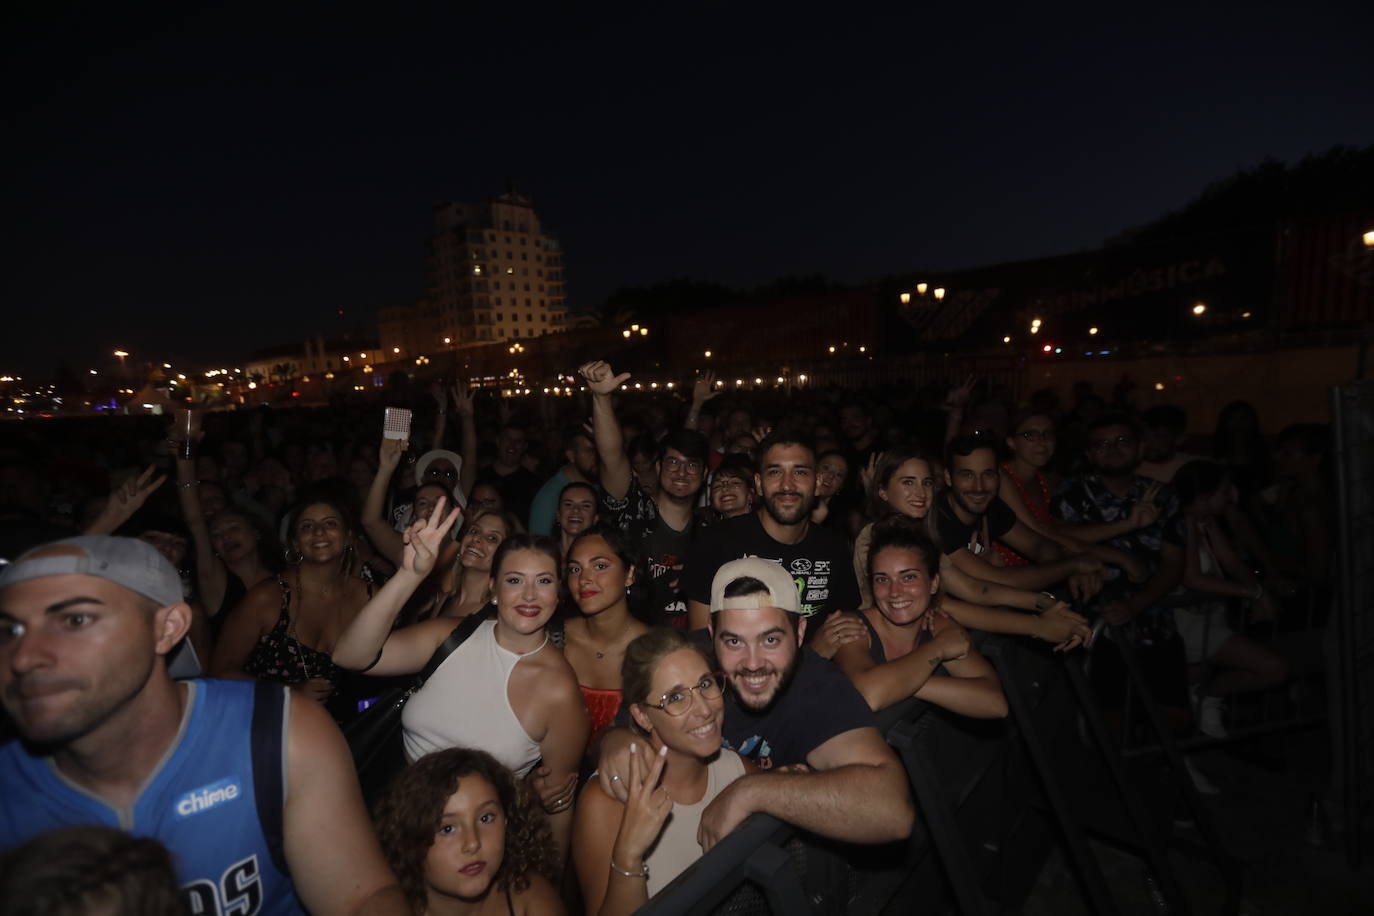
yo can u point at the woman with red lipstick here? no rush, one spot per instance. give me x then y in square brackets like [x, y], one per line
[600, 573]
[464, 837]
[504, 690]
[625, 853]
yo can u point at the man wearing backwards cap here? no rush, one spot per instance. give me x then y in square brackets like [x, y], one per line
[788, 706]
[109, 738]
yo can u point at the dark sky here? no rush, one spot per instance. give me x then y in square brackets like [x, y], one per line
[197, 184]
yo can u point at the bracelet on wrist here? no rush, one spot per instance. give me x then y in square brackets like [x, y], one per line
[642, 873]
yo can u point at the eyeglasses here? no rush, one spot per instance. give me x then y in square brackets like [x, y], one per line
[690, 465]
[436, 472]
[728, 483]
[677, 701]
[1037, 435]
[1101, 445]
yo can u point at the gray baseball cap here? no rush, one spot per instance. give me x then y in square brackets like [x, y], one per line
[782, 588]
[132, 563]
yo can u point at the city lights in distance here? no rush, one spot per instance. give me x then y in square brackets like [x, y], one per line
[922, 287]
[863, 349]
[121, 353]
[252, 385]
[345, 359]
[395, 349]
[1092, 331]
[1047, 348]
[1245, 314]
[832, 349]
[1200, 308]
[1159, 386]
[448, 340]
[362, 356]
[1369, 239]
[939, 292]
[1006, 339]
[1035, 329]
[93, 372]
[801, 378]
[758, 381]
[781, 380]
[905, 297]
[708, 354]
[1036, 322]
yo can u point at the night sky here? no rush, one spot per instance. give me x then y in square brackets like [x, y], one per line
[193, 185]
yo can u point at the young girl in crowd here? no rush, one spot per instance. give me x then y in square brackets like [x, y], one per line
[286, 628]
[467, 586]
[601, 571]
[506, 689]
[914, 649]
[463, 837]
[624, 853]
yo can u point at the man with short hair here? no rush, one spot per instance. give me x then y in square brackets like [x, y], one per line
[1165, 425]
[781, 530]
[1113, 504]
[787, 706]
[508, 473]
[241, 781]
[661, 526]
[580, 466]
[971, 516]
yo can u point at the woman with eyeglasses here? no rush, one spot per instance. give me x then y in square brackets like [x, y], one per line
[625, 853]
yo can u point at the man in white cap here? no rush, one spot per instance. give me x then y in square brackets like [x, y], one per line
[251, 789]
[788, 708]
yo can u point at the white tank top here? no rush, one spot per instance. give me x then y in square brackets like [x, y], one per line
[465, 703]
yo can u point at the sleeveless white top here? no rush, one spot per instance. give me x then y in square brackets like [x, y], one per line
[677, 846]
[465, 703]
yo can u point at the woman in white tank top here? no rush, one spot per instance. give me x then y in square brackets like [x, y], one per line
[505, 690]
[626, 853]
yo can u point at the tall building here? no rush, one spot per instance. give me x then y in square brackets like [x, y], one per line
[493, 274]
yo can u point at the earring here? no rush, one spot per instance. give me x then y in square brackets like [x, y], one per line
[291, 556]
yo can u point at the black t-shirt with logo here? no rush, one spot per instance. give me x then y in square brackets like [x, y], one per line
[819, 564]
[955, 535]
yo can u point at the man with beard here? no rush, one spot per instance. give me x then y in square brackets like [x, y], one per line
[785, 707]
[580, 467]
[661, 527]
[241, 781]
[782, 531]
[1113, 504]
[971, 516]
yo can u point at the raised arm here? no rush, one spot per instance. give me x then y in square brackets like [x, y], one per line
[602, 382]
[857, 792]
[1057, 624]
[703, 390]
[348, 874]
[440, 396]
[211, 578]
[464, 404]
[386, 539]
[125, 500]
[369, 643]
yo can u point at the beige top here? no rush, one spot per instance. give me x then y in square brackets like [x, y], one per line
[677, 845]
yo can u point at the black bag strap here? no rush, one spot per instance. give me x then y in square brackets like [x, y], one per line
[466, 627]
[269, 765]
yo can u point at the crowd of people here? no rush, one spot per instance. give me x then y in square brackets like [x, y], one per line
[619, 623]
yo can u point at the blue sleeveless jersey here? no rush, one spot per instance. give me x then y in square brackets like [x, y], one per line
[202, 802]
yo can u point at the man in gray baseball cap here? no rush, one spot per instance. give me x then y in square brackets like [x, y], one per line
[108, 737]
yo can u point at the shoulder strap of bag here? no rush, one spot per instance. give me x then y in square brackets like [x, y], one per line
[466, 627]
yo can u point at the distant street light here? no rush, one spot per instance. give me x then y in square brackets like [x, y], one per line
[1200, 308]
[939, 293]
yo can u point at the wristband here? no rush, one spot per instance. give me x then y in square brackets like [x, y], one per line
[643, 873]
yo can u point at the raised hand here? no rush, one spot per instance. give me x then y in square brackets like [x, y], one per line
[462, 399]
[389, 453]
[424, 538]
[647, 807]
[600, 377]
[704, 388]
[1145, 512]
[1062, 627]
[869, 471]
[959, 395]
[126, 499]
[436, 391]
